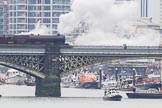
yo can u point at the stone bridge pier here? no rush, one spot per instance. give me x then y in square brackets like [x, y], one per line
[50, 85]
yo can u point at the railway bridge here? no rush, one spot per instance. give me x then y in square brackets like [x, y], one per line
[47, 62]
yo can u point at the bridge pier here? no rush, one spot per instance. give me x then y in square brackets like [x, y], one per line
[50, 85]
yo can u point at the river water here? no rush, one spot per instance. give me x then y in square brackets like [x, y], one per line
[23, 97]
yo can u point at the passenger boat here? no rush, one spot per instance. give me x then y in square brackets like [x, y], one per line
[112, 95]
[146, 94]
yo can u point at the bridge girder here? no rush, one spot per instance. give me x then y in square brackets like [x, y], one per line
[70, 63]
[30, 64]
[76, 63]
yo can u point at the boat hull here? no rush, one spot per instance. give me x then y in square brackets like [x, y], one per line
[30, 83]
[144, 95]
[113, 98]
[89, 85]
[147, 86]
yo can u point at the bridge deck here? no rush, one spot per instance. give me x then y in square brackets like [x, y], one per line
[22, 49]
[83, 50]
[112, 50]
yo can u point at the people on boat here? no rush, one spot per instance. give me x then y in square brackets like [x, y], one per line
[105, 92]
[134, 89]
[112, 94]
[110, 91]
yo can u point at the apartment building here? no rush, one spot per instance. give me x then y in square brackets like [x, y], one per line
[24, 14]
[3, 17]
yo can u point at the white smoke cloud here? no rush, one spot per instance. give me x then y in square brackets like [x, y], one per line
[40, 29]
[108, 23]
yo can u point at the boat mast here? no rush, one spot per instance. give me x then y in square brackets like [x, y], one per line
[160, 71]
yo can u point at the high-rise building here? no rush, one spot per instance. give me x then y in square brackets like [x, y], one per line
[144, 8]
[148, 9]
[3, 17]
[151, 9]
[23, 14]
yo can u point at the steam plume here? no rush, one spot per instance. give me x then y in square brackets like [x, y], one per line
[107, 23]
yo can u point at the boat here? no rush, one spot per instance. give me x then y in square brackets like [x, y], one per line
[88, 80]
[89, 85]
[151, 93]
[147, 86]
[112, 95]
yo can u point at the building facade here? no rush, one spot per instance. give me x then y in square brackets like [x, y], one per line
[3, 17]
[24, 14]
[151, 9]
[148, 9]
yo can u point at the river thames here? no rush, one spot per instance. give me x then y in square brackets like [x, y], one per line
[23, 97]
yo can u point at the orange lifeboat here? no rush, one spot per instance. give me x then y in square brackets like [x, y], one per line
[87, 77]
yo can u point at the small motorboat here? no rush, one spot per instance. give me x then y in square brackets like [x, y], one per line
[112, 95]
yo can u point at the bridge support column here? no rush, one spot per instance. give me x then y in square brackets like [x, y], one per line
[50, 85]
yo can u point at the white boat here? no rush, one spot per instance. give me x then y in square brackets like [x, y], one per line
[109, 84]
[112, 95]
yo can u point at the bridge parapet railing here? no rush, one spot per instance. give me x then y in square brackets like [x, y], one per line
[113, 50]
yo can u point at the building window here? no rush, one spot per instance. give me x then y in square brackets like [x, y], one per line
[1, 26]
[46, 20]
[39, 1]
[56, 1]
[12, 7]
[54, 26]
[47, 14]
[57, 7]
[1, 9]
[61, 1]
[31, 8]
[39, 14]
[47, 1]
[39, 7]
[30, 27]
[55, 14]
[47, 8]
[31, 14]
[1, 20]
[31, 1]
[55, 20]
[31, 20]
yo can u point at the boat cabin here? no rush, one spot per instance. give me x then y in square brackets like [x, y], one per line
[111, 92]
